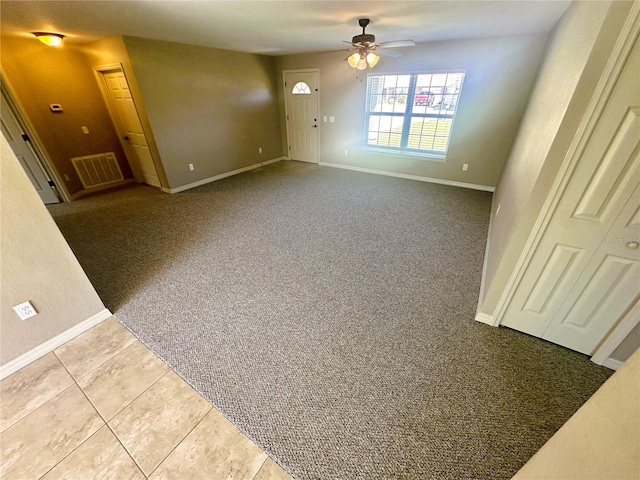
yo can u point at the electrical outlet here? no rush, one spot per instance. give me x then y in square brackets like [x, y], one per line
[191, 167]
[25, 310]
[465, 167]
[346, 152]
[259, 149]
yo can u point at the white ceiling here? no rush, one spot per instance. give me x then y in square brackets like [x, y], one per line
[278, 27]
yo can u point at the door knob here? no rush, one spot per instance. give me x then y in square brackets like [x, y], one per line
[315, 126]
[126, 137]
[633, 244]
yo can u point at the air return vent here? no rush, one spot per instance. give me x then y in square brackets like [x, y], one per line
[97, 170]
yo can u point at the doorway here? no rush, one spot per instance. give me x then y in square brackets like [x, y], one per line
[584, 276]
[126, 120]
[302, 106]
[20, 143]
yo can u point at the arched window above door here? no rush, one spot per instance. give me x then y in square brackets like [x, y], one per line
[301, 88]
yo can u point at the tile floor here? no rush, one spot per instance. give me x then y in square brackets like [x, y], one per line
[104, 406]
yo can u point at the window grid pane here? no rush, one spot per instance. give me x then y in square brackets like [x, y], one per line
[427, 102]
[301, 88]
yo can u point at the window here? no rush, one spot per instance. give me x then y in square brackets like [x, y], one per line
[301, 88]
[412, 113]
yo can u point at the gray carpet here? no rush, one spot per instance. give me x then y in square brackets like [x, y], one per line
[329, 315]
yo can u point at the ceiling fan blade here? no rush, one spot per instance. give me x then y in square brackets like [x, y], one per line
[387, 53]
[398, 44]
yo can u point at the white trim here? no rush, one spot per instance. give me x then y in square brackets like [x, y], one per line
[612, 364]
[34, 143]
[619, 333]
[53, 343]
[485, 318]
[440, 181]
[99, 73]
[601, 94]
[221, 176]
[484, 264]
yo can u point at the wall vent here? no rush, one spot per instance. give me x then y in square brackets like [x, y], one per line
[97, 170]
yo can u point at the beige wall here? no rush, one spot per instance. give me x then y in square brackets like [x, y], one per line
[39, 76]
[575, 59]
[499, 76]
[36, 264]
[213, 108]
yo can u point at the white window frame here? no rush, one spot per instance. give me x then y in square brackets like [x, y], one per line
[407, 115]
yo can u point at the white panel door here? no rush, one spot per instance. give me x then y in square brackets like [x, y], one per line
[129, 127]
[26, 156]
[609, 285]
[301, 96]
[585, 272]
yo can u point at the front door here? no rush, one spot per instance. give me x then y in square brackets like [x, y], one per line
[129, 127]
[301, 98]
[585, 274]
[19, 143]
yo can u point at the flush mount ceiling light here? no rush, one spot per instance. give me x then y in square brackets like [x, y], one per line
[48, 38]
[367, 51]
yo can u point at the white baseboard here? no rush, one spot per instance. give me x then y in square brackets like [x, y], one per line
[485, 318]
[440, 181]
[50, 345]
[204, 181]
[612, 364]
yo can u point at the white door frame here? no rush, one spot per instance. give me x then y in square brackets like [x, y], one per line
[607, 82]
[286, 105]
[99, 72]
[34, 141]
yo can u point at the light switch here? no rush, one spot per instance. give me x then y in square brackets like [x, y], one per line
[325, 119]
[85, 130]
[332, 119]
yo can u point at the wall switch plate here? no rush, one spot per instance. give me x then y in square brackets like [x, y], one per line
[346, 152]
[259, 149]
[85, 130]
[332, 119]
[25, 310]
[465, 167]
[325, 119]
[56, 108]
[191, 167]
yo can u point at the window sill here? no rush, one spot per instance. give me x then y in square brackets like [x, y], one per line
[432, 157]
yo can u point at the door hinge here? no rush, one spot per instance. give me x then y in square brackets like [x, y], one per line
[285, 84]
[25, 137]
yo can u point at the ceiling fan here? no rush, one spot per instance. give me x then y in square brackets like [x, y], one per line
[367, 51]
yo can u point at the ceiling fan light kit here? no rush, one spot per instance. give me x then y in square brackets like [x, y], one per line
[367, 51]
[361, 60]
